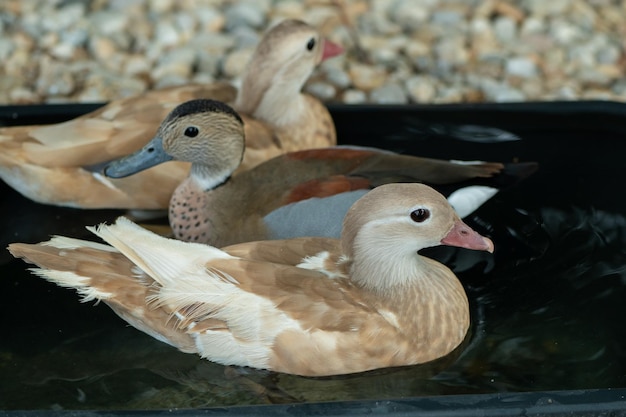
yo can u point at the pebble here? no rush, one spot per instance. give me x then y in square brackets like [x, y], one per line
[244, 14]
[167, 34]
[214, 43]
[56, 81]
[421, 88]
[354, 97]
[245, 37]
[207, 64]
[62, 51]
[23, 95]
[567, 92]
[415, 49]
[521, 67]
[235, 63]
[451, 53]
[338, 77]
[508, 94]
[547, 8]
[6, 48]
[431, 51]
[101, 48]
[448, 17]
[407, 15]
[505, 30]
[367, 77]
[136, 65]
[322, 90]
[391, 93]
[170, 80]
[107, 23]
[210, 19]
[449, 95]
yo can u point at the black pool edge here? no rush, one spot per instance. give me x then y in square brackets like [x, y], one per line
[600, 402]
[613, 110]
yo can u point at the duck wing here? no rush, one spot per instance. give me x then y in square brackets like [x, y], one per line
[317, 187]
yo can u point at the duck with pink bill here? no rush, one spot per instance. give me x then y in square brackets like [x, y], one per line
[308, 306]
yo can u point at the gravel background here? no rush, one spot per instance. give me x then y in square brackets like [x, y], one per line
[397, 51]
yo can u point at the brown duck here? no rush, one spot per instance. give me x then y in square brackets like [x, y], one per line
[303, 193]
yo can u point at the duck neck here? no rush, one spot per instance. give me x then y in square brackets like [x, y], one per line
[400, 271]
[208, 178]
[281, 105]
[278, 101]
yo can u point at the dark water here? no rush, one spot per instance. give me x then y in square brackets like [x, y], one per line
[547, 306]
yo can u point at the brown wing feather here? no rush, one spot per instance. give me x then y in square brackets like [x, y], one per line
[384, 168]
[277, 251]
[306, 295]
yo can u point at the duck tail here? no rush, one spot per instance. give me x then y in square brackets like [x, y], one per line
[77, 264]
[515, 172]
[99, 272]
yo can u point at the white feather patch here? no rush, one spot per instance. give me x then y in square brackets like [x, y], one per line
[318, 263]
[69, 279]
[314, 262]
[459, 162]
[103, 180]
[62, 242]
[253, 323]
[390, 317]
[466, 200]
[165, 260]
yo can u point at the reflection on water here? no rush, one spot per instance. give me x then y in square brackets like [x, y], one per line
[546, 310]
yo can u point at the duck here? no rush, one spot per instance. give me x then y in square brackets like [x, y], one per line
[59, 164]
[309, 306]
[301, 193]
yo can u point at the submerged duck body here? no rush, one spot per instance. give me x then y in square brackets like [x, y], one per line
[308, 306]
[303, 193]
[59, 164]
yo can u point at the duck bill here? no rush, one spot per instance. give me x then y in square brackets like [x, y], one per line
[463, 236]
[330, 50]
[150, 155]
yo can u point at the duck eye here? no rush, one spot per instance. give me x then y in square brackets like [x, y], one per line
[419, 215]
[191, 131]
[310, 44]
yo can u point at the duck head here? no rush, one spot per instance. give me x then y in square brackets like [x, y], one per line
[279, 67]
[207, 133]
[399, 220]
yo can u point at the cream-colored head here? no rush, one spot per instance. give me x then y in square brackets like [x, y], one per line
[280, 65]
[383, 231]
[405, 217]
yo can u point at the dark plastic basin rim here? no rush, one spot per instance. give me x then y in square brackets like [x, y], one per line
[602, 402]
